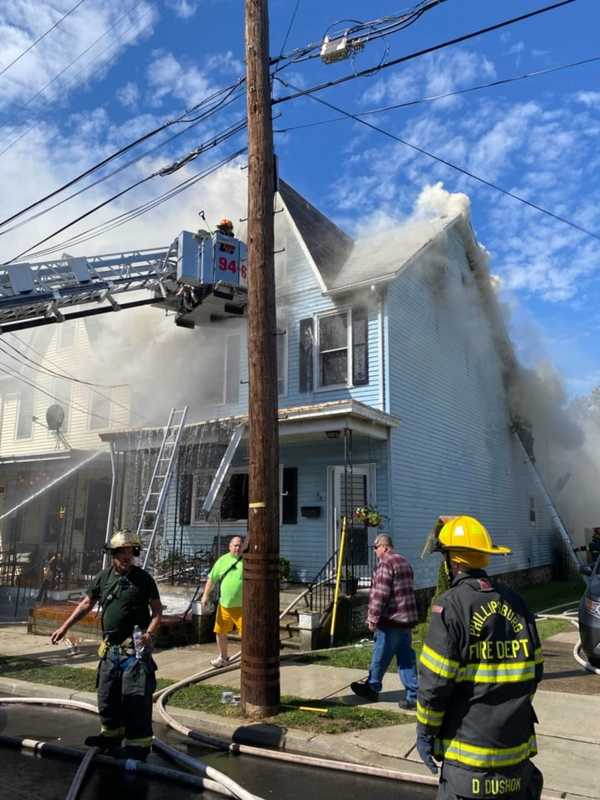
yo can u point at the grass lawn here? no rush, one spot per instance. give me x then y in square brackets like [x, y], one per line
[337, 719]
[538, 598]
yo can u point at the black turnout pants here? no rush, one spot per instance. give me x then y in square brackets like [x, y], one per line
[523, 782]
[125, 686]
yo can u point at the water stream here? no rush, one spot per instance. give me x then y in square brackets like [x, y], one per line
[52, 483]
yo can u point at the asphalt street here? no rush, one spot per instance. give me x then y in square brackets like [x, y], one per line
[26, 776]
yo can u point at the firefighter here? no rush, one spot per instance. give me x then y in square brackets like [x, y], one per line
[225, 226]
[594, 546]
[479, 668]
[128, 597]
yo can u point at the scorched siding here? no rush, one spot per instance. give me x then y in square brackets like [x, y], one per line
[453, 452]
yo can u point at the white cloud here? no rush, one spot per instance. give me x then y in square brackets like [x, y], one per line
[589, 99]
[21, 22]
[168, 78]
[183, 8]
[128, 95]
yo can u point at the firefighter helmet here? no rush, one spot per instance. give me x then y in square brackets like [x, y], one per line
[225, 225]
[124, 538]
[467, 533]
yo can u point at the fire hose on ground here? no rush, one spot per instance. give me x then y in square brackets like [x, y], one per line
[207, 777]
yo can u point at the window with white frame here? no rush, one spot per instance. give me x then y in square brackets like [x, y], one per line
[223, 367]
[61, 391]
[25, 414]
[333, 349]
[99, 410]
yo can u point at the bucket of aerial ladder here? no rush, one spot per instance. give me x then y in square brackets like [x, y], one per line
[212, 275]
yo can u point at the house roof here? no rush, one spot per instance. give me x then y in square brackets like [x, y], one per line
[382, 256]
[328, 245]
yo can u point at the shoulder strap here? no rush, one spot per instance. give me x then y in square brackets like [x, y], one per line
[232, 566]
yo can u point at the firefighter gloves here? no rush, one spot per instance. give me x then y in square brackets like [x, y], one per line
[425, 750]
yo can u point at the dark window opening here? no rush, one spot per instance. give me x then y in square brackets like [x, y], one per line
[306, 355]
[360, 347]
[234, 505]
[289, 499]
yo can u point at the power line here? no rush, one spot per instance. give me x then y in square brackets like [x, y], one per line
[235, 129]
[432, 49]
[114, 172]
[138, 211]
[22, 362]
[433, 98]
[39, 39]
[446, 163]
[24, 106]
[149, 134]
[74, 406]
[289, 29]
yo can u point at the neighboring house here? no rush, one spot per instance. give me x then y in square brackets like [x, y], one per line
[70, 517]
[393, 374]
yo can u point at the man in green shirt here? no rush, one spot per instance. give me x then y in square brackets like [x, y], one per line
[128, 597]
[228, 572]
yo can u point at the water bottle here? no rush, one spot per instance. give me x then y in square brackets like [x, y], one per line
[138, 645]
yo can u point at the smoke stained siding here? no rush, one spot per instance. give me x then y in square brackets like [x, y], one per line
[453, 452]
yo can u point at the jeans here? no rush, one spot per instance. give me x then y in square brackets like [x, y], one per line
[390, 642]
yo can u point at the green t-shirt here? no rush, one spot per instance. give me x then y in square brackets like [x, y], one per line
[126, 600]
[231, 586]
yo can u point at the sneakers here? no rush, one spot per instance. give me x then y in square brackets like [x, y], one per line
[219, 661]
[363, 689]
[407, 705]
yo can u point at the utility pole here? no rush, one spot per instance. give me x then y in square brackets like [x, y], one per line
[260, 650]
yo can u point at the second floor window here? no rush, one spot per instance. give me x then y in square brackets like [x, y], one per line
[334, 350]
[25, 414]
[99, 410]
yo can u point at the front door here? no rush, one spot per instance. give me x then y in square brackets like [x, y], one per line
[348, 490]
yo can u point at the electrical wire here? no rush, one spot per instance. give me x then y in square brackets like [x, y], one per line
[114, 172]
[289, 29]
[39, 39]
[391, 24]
[227, 91]
[66, 375]
[167, 170]
[447, 163]
[27, 103]
[431, 49]
[6, 369]
[134, 213]
[433, 98]
[22, 361]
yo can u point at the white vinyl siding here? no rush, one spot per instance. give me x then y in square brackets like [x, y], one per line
[100, 409]
[25, 414]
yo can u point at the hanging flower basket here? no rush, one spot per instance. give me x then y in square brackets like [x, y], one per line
[369, 516]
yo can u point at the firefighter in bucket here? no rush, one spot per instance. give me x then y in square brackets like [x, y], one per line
[480, 666]
[130, 611]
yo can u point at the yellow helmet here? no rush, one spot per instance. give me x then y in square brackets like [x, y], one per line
[124, 538]
[467, 533]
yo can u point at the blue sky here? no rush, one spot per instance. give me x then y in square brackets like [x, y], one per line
[146, 61]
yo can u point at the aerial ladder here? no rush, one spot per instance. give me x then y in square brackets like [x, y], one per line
[201, 277]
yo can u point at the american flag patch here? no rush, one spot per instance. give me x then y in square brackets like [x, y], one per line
[437, 609]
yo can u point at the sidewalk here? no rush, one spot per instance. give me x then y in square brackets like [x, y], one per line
[568, 736]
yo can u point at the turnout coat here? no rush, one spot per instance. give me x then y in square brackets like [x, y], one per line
[479, 668]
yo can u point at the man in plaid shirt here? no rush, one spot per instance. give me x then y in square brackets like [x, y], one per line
[392, 613]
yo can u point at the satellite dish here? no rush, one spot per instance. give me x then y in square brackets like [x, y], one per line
[55, 417]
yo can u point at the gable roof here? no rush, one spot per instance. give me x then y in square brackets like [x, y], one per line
[382, 256]
[327, 245]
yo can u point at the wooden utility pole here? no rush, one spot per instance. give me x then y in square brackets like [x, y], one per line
[260, 648]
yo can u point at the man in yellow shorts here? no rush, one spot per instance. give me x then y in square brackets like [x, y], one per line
[228, 574]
